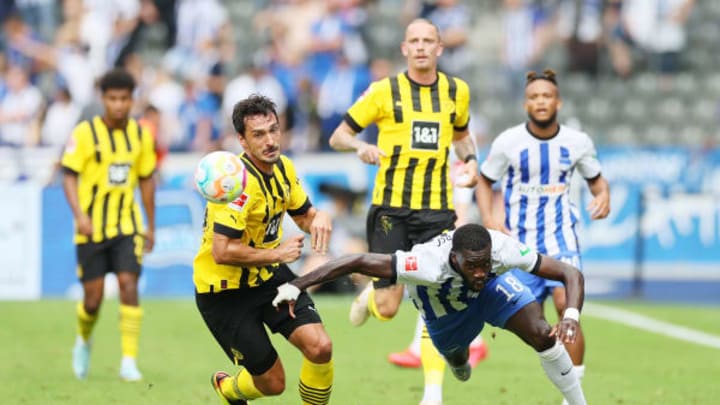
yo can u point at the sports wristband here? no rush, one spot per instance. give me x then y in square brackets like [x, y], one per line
[572, 313]
[470, 157]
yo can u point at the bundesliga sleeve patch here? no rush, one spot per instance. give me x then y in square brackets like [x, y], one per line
[239, 202]
[411, 263]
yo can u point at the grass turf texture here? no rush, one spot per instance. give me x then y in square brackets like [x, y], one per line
[178, 355]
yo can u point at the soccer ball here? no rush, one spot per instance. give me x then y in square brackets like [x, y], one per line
[220, 177]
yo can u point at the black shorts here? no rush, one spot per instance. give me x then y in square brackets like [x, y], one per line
[122, 253]
[236, 318]
[392, 229]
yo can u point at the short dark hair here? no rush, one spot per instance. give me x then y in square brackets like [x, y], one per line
[471, 237]
[547, 74]
[256, 104]
[117, 79]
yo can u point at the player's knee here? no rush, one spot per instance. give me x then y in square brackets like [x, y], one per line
[540, 338]
[321, 351]
[92, 307]
[274, 385]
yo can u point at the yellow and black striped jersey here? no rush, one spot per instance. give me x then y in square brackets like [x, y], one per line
[416, 125]
[109, 164]
[256, 219]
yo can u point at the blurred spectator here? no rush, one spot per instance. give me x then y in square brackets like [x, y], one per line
[341, 87]
[151, 121]
[204, 38]
[326, 42]
[200, 115]
[579, 25]
[656, 28]
[105, 28]
[16, 31]
[165, 94]
[453, 20]
[19, 114]
[67, 58]
[19, 110]
[256, 79]
[524, 40]
[41, 15]
[289, 27]
[60, 118]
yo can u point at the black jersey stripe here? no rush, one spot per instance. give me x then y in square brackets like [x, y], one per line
[250, 167]
[96, 141]
[106, 201]
[452, 93]
[390, 174]
[408, 183]
[427, 183]
[415, 93]
[128, 145]
[120, 212]
[396, 99]
[444, 181]
[435, 97]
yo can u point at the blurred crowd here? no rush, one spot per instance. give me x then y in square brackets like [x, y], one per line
[312, 57]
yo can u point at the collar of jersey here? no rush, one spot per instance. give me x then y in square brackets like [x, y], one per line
[416, 84]
[527, 128]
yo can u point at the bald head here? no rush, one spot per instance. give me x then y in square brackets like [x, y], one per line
[421, 24]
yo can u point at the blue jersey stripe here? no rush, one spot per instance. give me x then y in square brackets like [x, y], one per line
[443, 297]
[425, 301]
[508, 193]
[524, 166]
[564, 159]
[544, 163]
[559, 237]
[540, 236]
[521, 220]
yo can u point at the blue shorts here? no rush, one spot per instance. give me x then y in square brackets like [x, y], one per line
[497, 302]
[542, 287]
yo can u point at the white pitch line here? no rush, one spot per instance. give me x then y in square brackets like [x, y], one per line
[643, 322]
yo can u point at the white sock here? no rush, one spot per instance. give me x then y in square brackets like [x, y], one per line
[560, 370]
[477, 341]
[580, 371]
[415, 343]
[433, 392]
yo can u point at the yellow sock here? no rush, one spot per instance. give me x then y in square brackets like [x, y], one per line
[130, 318]
[315, 383]
[433, 363]
[372, 307]
[240, 387]
[86, 322]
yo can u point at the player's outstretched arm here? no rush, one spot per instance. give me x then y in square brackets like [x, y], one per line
[319, 225]
[369, 264]
[600, 205]
[574, 282]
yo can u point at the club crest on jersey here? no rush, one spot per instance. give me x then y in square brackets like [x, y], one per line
[239, 202]
[411, 263]
[425, 135]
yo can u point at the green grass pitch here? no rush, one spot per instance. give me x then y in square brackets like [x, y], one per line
[625, 366]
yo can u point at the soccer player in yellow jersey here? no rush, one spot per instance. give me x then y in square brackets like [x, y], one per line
[419, 114]
[104, 160]
[242, 259]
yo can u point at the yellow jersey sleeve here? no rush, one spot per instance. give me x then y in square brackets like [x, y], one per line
[462, 106]
[79, 148]
[231, 219]
[148, 158]
[368, 108]
[299, 201]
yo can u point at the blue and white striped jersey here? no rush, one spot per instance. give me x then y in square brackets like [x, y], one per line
[436, 288]
[536, 176]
